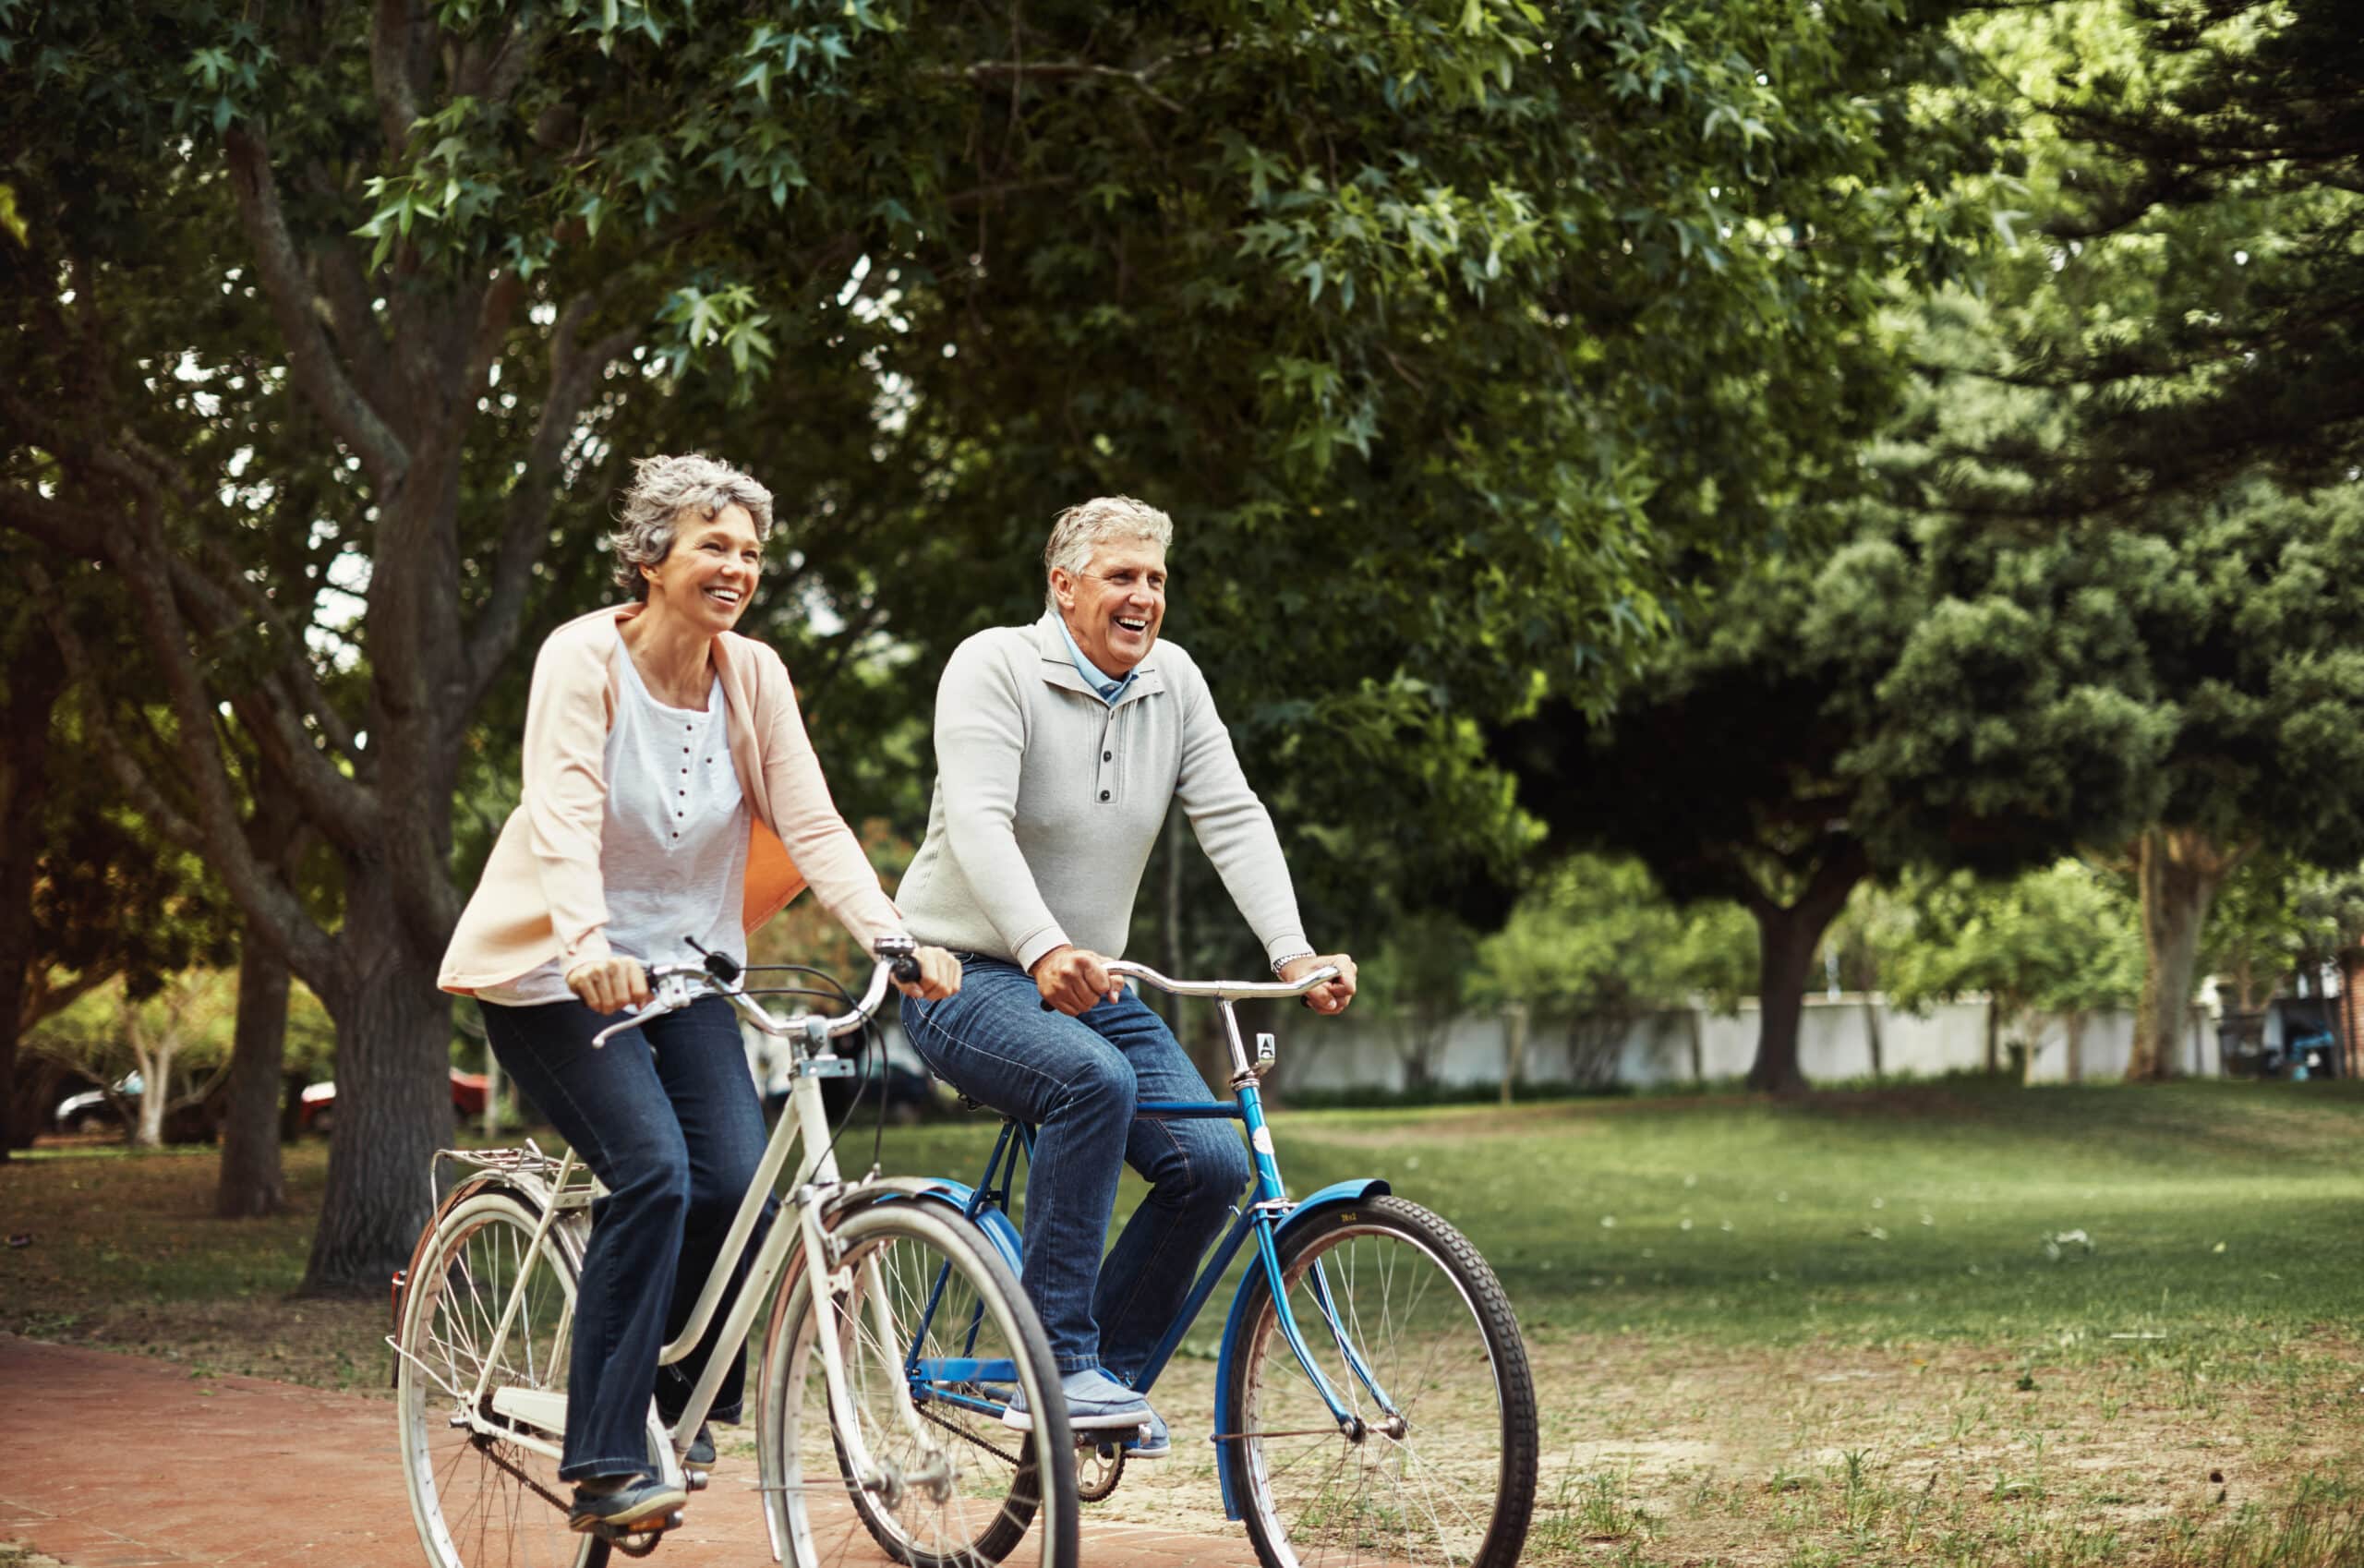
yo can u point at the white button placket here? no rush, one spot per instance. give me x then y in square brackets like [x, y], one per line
[1106, 772]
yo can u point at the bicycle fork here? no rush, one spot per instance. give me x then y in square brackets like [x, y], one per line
[832, 1282]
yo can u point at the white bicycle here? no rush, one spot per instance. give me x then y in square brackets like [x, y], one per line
[898, 1339]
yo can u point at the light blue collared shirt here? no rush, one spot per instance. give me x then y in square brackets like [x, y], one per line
[1107, 686]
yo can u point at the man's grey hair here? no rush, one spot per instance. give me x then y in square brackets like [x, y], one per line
[1082, 528]
[661, 490]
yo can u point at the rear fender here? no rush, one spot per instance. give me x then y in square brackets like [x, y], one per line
[534, 1195]
[1328, 1200]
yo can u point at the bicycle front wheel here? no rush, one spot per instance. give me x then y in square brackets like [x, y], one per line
[1443, 1471]
[480, 1500]
[924, 1308]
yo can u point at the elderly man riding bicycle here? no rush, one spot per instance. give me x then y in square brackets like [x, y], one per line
[1059, 748]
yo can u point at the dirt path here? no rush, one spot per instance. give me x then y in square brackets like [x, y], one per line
[120, 1461]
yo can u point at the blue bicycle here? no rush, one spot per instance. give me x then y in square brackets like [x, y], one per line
[1373, 1402]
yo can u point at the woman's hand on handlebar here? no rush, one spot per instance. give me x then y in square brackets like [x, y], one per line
[609, 985]
[1074, 981]
[1331, 995]
[939, 976]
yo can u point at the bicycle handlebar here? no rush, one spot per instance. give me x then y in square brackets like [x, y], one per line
[1222, 990]
[675, 987]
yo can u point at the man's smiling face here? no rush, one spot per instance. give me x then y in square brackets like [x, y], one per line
[1115, 606]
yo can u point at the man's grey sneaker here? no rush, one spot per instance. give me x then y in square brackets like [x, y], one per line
[1096, 1402]
[622, 1501]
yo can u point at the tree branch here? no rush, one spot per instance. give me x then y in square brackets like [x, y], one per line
[573, 372]
[1018, 70]
[309, 355]
[215, 832]
[345, 286]
[394, 54]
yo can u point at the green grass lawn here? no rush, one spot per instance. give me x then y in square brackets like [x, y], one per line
[1859, 1328]
[2218, 1211]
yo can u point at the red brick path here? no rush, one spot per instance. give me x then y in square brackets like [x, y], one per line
[119, 1460]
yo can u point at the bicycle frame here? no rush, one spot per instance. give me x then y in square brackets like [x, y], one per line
[1262, 1218]
[816, 1184]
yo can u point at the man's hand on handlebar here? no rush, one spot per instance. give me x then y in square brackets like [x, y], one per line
[1331, 996]
[609, 985]
[939, 976]
[1074, 980]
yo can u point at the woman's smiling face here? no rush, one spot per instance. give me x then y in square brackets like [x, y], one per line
[1115, 606]
[710, 573]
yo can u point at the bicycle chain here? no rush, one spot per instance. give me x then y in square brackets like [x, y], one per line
[632, 1544]
[1010, 1459]
[491, 1450]
[1087, 1493]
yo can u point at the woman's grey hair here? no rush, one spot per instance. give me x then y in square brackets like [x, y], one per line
[1082, 528]
[662, 489]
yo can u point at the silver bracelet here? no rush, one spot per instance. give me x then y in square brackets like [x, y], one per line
[1290, 958]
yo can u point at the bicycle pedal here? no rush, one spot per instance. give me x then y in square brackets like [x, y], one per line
[635, 1529]
[696, 1479]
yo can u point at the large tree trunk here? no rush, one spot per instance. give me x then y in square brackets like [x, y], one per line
[37, 676]
[2179, 871]
[394, 1105]
[251, 1184]
[1787, 936]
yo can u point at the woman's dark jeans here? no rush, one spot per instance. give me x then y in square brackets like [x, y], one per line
[1078, 1079]
[676, 1137]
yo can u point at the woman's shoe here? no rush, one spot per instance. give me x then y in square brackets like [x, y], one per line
[623, 1502]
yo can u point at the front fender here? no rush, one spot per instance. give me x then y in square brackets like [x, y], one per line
[955, 1196]
[1337, 1195]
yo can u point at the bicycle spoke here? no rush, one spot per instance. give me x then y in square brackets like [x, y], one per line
[1425, 1483]
[949, 1490]
[484, 1502]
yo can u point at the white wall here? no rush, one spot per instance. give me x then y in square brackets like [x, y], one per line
[1834, 1041]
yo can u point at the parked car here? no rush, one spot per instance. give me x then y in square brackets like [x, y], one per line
[94, 1111]
[910, 1092]
[319, 1114]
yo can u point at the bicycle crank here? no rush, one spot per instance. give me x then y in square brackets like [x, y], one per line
[1098, 1468]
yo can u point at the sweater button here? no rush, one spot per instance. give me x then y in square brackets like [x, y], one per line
[1107, 756]
[1104, 794]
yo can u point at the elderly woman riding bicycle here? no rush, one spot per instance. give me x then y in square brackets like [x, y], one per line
[672, 803]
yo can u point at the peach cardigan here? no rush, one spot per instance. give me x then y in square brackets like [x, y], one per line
[540, 896]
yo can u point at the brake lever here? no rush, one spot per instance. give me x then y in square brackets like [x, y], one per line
[631, 1020]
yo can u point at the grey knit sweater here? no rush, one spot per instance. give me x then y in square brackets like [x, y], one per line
[1048, 801]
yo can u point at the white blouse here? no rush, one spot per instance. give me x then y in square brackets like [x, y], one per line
[673, 844]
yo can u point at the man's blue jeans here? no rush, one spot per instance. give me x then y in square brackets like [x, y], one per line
[1077, 1080]
[677, 1138]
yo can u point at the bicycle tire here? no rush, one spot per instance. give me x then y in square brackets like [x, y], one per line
[968, 1499]
[1433, 1323]
[475, 1500]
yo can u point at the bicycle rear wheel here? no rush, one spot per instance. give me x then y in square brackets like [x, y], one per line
[1450, 1478]
[480, 1500]
[962, 1488]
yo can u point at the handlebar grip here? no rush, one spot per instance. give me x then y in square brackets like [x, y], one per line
[906, 969]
